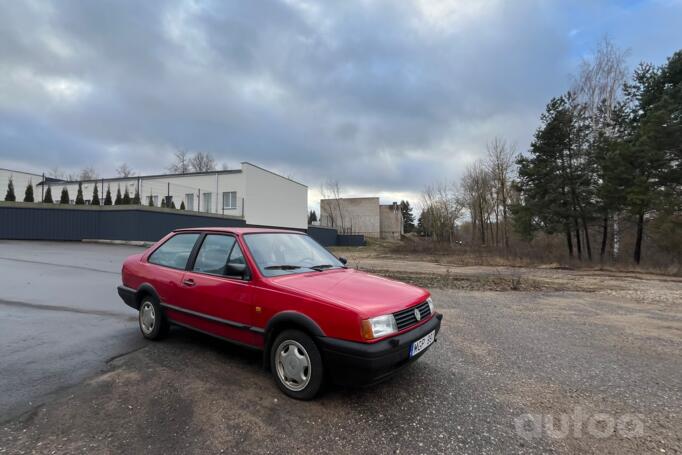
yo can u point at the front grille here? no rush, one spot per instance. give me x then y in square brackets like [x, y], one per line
[406, 318]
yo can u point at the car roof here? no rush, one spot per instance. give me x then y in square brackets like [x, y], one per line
[238, 230]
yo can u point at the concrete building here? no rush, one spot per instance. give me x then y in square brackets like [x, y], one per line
[257, 195]
[362, 215]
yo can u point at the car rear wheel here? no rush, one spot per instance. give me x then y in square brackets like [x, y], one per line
[296, 364]
[153, 323]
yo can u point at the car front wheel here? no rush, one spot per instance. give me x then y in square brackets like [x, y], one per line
[153, 324]
[296, 364]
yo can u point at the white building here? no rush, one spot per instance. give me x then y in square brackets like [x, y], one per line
[20, 181]
[261, 197]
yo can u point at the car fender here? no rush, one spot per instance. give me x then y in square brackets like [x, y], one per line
[146, 288]
[292, 318]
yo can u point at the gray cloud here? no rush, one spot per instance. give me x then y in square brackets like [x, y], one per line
[381, 95]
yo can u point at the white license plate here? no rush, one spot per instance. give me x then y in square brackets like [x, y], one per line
[422, 343]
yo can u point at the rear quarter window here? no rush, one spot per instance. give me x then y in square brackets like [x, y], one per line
[175, 251]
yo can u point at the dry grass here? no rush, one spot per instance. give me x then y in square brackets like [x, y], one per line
[544, 254]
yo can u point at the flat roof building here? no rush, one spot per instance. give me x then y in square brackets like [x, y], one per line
[362, 215]
[259, 196]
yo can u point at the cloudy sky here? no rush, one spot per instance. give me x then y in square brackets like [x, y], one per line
[383, 96]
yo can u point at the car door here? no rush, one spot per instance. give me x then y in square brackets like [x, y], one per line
[219, 302]
[166, 267]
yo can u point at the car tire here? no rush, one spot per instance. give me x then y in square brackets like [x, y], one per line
[153, 323]
[296, 365]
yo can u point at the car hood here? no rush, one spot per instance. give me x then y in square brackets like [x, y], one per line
[369, 295]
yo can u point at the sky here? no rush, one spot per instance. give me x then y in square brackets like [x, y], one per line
[385, 97]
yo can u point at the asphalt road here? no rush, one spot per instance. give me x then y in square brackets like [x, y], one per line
[61, 319]
[608, 366]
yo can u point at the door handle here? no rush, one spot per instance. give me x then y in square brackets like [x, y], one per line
[188, 282]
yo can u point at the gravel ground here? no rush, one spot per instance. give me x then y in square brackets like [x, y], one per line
[591, 357]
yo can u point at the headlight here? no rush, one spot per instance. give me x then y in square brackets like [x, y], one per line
[378, 327]
[430, 302]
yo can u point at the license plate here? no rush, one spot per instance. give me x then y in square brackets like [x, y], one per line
[422, 343]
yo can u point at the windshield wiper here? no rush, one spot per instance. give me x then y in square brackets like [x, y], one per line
[321, 267]
[283, 267]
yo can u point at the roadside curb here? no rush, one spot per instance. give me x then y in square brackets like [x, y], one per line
[140, 243]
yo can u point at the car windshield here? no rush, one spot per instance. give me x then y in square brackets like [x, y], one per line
[286, 253]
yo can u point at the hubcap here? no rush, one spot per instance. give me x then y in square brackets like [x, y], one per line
[147, 318]
[293, 365]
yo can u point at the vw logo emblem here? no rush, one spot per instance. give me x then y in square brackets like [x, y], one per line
[417, 314]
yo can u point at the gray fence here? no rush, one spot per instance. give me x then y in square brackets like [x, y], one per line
[69, 222]
[330, 237]
[28, 221]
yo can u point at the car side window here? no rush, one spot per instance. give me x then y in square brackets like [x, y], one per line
[237, 257]
[213, 254]
[175, 252]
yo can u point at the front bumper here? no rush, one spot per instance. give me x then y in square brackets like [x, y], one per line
[353, 363]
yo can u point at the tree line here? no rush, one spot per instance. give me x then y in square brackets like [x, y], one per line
[120, 199]
[607, 153]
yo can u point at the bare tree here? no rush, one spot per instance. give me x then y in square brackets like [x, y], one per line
[125, 171]
[181, 165]
[87, 173]
[598, 89]
[478, 197]
[202, 162]
[500, 164]
[600, 80]
[56, 173]
[332, 190]
[441, 208]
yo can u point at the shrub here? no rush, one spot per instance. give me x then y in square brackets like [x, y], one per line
[28, 195]
[79, 195]
[48, 196]
[10, 196]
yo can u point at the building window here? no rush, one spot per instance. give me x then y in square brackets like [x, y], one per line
[206, 202]
[229, 200]
[189, 201]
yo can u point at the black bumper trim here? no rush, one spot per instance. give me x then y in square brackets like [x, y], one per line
[129, 296]
[353, 363]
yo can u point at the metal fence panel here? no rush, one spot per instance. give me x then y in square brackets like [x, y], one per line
[20, 221]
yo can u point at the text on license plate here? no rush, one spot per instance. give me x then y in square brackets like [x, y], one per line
[422, 343]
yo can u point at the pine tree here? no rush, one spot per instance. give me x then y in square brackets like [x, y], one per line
[95, 196]
[119, 198]
[182, 205]
[126, 197]
[28, 195]
[649, 174]
[10, 196]
[173, 205]
[556, 179]
[312, 217]
[163, 202]
[408, 217]
[64, 198]
[48, 196]
[107, 197]
[136, 198]
[79, 195]
[150, 203]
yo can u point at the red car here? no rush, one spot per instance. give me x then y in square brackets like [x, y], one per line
[282, 293]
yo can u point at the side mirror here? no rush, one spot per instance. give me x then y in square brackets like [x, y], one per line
[343, 260]
[235, 270]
